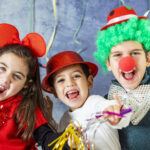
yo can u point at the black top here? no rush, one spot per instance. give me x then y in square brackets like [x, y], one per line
[44, 135]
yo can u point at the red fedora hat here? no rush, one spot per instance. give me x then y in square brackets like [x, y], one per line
[62, 60]
[119, 15]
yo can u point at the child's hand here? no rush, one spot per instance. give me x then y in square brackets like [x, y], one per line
[48, 102]
[71, 140]
[113, 119]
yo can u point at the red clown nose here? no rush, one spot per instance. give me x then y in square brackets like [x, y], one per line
[126, 64]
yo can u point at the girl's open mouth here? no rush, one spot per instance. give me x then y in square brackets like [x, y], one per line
[2, 89]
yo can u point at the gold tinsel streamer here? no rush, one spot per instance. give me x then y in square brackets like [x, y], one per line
[71, 133]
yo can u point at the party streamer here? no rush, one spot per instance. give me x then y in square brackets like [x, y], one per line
[122, 2]
[78, 29]
[32, 16]
[54, 30]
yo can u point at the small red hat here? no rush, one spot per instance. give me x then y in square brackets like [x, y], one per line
[119, 15]
[62, 60]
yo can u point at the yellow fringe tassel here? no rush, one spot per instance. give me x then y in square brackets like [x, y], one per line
[71, 133]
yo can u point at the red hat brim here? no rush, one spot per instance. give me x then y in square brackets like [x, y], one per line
[105, 27]
[93, 69]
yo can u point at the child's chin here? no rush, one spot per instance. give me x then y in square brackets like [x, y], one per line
[129, 85]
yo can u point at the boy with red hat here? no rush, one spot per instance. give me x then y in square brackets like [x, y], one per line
[70, 78]
[123, 47]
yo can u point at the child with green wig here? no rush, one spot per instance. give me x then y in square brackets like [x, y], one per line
[123, 47]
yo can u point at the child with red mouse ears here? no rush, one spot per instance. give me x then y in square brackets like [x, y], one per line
[69, 78]
[23, 110]
[123, 47]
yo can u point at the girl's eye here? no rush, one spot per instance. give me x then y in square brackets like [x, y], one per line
[2, 69]
[18, 77]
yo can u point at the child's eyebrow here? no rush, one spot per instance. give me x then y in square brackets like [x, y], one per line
[59, 76]
[131, 50]
[21, 74]
[114, 52]
[138, 49]
[78, 71]
[3, 64]
[15, 72]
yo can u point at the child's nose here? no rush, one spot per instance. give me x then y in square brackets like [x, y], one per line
[6, 78]
[126, 64]
[70, 82]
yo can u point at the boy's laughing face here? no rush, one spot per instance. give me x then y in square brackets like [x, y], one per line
[71, 86]
[129, 80]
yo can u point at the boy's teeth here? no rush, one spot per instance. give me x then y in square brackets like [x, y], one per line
[129, 71]
[72, 95]
[70, 92]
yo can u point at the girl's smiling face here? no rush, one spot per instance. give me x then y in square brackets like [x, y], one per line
[72, 86]
[132, 79]
[13, 75]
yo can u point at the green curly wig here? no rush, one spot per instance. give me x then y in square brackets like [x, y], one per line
[132, 30]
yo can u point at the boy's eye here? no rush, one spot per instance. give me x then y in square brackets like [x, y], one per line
[2, 69]
[117, 55]
[135, 53]
[76, 76]
[60, 80]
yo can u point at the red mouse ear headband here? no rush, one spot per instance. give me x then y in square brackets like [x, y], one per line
[34, 41]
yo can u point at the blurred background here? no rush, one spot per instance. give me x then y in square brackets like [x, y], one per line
[74, 25]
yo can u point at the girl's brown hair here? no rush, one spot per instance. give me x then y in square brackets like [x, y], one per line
[32, 94]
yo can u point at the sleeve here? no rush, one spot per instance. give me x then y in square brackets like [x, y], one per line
[44, 135]
[103, 104]
[64, 121]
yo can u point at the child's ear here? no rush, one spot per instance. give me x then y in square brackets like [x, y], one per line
[90, 82]
[148, 58]
[25, 86]
[108, 65]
